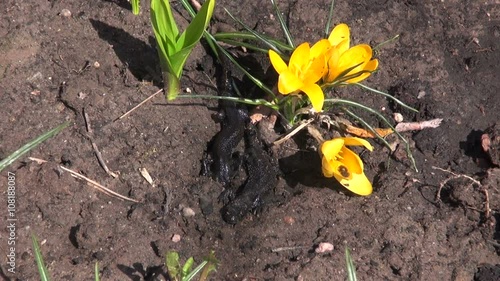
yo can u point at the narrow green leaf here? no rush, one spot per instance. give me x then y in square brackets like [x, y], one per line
[256, 34]
[30, 145]
[329, 22]
[351, 269]
[42, 270]
[284, 27]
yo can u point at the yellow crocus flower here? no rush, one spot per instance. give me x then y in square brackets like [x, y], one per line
[341, 58]
[307, 66]
[342, 163]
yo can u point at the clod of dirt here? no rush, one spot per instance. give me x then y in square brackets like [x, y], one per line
[487, 272]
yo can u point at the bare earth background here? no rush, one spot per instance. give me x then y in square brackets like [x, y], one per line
[447, 56]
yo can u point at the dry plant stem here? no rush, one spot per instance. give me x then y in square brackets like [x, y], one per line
[98, 186]
[281, 249]
[417, 126]
[98, 154]
[137, 106]
[294, 131]
[487, 210]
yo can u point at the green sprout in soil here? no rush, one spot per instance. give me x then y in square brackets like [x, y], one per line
[351, 269]
[174, 47]
[178, 272]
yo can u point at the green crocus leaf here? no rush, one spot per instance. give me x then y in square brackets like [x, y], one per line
[175, 48]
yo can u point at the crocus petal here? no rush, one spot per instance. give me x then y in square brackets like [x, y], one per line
[300, 58]
[316, 69]
[331, 148]
[354, 141]
[358, 184]
[350, 173]
[277, 62]
[327, 167]
[356, 56]
[289, 82]
[338, 34]
[319, 48]
[315, 95]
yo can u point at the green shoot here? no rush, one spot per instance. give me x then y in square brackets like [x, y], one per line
[351, 269]
[135, 6]
[185, 272]
[42, 270]
[96, 271]
[30, 145]
[174, 47]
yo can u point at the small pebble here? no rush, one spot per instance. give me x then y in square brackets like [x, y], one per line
[398, 117]
[176, 238]
[421, 94]
[187, 212]
[66, 13]
[97, 64]
[324, 247]
[289, 220]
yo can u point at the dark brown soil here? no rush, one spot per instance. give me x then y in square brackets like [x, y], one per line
[446, 63]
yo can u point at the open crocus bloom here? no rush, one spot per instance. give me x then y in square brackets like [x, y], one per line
[341, 58]
[342, 163]
[306, 66]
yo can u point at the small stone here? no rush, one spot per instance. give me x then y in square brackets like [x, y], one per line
[187, 212]
[421, 94]
[65, 13]
[176, 238]
[398, 117]
[289, 220]
[97, 64]
[324, 247]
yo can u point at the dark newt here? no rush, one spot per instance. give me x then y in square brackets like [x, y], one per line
[262, 170]
[233, 118]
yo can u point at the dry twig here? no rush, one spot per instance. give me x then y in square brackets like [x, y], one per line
[137, 106]
[98, 186]
[98, 154]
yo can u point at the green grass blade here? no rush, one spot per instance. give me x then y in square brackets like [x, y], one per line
[284, 27]
[387, 96]
[351, 269]
[243, 35]
[42, 270]
[329, 22]
[376, 48]
[256, 34]
[30, 145]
